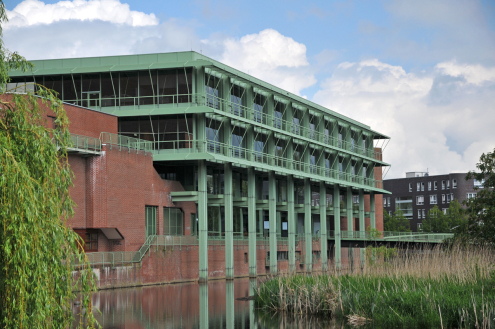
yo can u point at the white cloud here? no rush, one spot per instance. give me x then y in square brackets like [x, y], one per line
[33, 12]
[441, 120]
[272, 57]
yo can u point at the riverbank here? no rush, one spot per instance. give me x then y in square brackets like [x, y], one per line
[439, 289]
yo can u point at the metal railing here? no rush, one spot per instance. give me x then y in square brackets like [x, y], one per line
[125, 141]
[85, 143]
[209, 146]
[276, 122]
[393, 236]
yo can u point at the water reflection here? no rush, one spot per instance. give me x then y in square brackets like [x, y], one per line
[191, 305]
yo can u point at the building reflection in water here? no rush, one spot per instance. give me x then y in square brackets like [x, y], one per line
[190, 305]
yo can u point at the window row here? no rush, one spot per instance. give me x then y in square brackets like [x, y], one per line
[173, 221]
[420, 186]
[128, 88]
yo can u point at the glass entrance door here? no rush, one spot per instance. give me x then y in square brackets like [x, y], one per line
[150, 221]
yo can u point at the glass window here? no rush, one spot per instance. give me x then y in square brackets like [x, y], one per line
[109, 88]
[454, 183]
[443, 185]
[410, 187]
[435, 185]
[384, 202]
[448, 198]
[184, 83]
[388, 201]
[167, 86]
[478, 183]
[150, 221]
[448, 183]
[429, 186]
[422, 186]
[418, 186]
[420, 200]
[470, 195]
[54, 82]
[128, 88]
[419, 213]
[70, 87]
[173, 221]
[433, 199]
[444, 211]
[443, 198]
[420, 228]
[423, 211]
[147, 85]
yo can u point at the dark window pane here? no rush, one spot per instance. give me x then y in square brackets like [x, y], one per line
[184, 85]
[130, 127]
[69, 88]
[128, 88]
[146, 87]
[167, 86]
[109, 89]
[55, 83]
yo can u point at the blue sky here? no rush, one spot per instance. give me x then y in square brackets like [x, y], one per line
[422, 72]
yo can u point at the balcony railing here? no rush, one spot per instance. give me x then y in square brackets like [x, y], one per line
[125, 141]
[279, 123]
[85, 143]
[208, 146]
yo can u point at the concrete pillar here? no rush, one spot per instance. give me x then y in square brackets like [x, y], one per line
[291, 223]
[252, 221]
[308, 227]
[203, 221]
[229, 222]
[272, 214]
[336, 214]
[323, 225]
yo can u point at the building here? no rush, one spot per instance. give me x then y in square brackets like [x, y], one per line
[419, 192]
[193, 148]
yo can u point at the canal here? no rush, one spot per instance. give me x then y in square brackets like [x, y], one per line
[191, 305]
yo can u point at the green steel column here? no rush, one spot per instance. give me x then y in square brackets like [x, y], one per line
[229, 222]
[229, 306]
[336, 215]
[203, 306]
[291, 223]
[272, 214]
[252, 221]
[279, 224]
[203, 221]
[323, 225]
[361, 224]
[350, 224]
[308, 228]
[372, 210]
[350, 215]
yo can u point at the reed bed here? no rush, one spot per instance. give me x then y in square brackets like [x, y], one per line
[438, 288]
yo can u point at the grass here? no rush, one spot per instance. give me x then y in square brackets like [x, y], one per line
[452, 288]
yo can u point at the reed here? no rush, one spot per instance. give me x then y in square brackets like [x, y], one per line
[438, 288]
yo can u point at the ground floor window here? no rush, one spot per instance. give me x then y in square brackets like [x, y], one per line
[90, 239]
[150, 221]
[173, 221]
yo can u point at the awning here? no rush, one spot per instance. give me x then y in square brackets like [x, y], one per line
[111, 233]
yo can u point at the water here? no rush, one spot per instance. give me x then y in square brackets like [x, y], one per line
[191, 305]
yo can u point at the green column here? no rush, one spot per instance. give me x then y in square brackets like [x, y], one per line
[372, 210]
[308, 228]
[229, 222]
[336, 215]
[350, 224]
[203, 306]
[203, 221]
[291, 223]
[252, 221]
[229, 304]
[272, 214]
[361, 224]
[323, 225]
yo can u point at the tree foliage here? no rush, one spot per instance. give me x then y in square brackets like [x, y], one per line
[37, 248]
[438, 222]
[396, 223]
[480, 225]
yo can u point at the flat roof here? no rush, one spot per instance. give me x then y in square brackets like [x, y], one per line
[163, 61]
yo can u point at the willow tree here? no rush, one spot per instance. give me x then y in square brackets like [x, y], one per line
[38, 250]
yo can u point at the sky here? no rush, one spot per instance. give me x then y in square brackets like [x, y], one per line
[421, 72]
